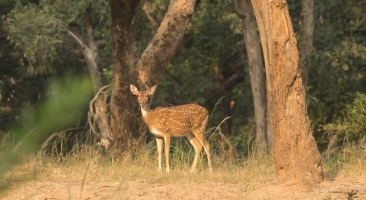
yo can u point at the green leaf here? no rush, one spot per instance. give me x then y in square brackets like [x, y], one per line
[345, 66]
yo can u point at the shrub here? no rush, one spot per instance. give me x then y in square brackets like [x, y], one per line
[351, 127]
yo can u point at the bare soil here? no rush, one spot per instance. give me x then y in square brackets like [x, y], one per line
[58, 184]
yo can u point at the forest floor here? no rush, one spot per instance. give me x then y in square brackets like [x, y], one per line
[89, 174]
[95, 182]
[65, 188]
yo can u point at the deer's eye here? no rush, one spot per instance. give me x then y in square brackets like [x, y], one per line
[147, 95]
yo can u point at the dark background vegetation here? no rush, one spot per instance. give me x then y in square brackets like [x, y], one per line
[35, 50]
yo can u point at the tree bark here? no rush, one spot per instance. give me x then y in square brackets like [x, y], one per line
[161, 49]
[295, 153]
[257, 77]
[307, 32]
[126, 121]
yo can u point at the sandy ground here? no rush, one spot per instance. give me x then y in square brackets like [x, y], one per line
[55, 187]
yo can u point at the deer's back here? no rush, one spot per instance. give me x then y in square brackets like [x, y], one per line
[177, 120]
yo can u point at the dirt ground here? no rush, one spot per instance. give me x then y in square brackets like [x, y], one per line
[61, 187]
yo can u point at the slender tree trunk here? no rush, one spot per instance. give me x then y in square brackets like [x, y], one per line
[307, 32]
[100, 104]
[256, 71]
[90, 52]
[98, 111]
[295, 152]
[126, 120]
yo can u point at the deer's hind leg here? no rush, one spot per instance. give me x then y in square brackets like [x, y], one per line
[197, 148]
[199, 132]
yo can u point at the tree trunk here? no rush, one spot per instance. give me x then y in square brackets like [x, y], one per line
[100, 104]
[98, 109]
[126, 121]
[257, 79]
[295, 153]
[307, 32]
[90, 52]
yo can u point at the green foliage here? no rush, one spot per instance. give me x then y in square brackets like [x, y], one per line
[338, 59]
[35, 46]
[39, 30]
[351, 127]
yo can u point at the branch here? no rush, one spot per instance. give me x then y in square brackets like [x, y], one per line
[161, 49]
[155, 22]
[91, 112]
[176, 79]
[101, 42]
[240, 8]
[232, 69]
[227, 84]
[89, 27]
[76, 38]
[96, 96]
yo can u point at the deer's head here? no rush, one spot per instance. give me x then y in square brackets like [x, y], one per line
[142, 96]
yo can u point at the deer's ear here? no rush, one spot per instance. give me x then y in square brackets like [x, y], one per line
[152, 90]
[133, 89]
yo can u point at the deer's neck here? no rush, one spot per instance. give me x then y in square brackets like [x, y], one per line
[145, 111]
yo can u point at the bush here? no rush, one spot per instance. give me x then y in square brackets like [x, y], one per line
[352, 126]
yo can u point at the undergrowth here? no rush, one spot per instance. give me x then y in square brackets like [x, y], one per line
[346, 149]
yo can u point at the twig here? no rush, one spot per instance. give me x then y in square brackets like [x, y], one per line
[96, 96]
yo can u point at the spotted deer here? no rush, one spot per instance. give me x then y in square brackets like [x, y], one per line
[188, 120]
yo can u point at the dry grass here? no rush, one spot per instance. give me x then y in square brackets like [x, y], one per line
[142, 166]
[90, 164]
[86, 165]
[349, 159]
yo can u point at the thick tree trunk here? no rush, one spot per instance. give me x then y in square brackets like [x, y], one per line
[257, 78]
[295, 153]
[161, 49]
[126, 120]
[307, 32]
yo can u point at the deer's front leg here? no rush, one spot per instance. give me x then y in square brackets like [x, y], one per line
[166, 151]
[159, 143]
